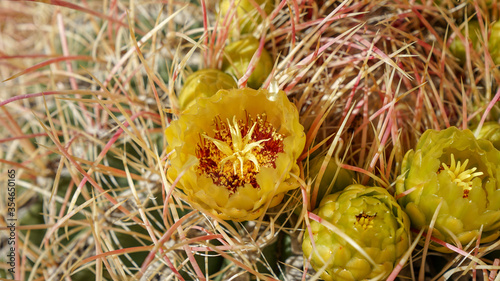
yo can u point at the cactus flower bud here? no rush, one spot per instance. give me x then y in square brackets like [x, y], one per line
[374, 222]
[204, 83]
[240, 54]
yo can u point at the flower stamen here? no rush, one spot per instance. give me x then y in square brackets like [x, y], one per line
[364, 220]
[245, 145]
[459, 175]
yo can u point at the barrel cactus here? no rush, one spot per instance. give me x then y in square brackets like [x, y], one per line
[457, 45]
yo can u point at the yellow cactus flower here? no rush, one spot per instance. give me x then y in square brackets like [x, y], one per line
[454, 170]
[234, 152]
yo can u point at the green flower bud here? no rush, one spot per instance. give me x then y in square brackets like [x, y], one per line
[327, 184]
[204, 83]
[240, 53]
[491, 131]
[494, 42]
[457, 47]
[246, 15]
[373, 221]
[452, 169]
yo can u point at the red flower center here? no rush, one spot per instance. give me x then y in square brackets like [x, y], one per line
[237, 151]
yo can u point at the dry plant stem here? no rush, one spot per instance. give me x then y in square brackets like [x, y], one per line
[405, 258]
[72, 80]
[101, 155]
[181, 232]
[336, 141]
[494, 271]
[160, 242]
[48, 62]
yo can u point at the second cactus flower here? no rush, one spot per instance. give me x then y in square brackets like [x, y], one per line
[453, 170]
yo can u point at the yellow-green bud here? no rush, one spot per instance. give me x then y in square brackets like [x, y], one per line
[240, 53]
[494, 43]
[457, 47]
[246, 15]
[204, 83]
[490, 131]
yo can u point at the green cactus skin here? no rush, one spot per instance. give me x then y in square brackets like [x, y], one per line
[452, 168]
[371, 217]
